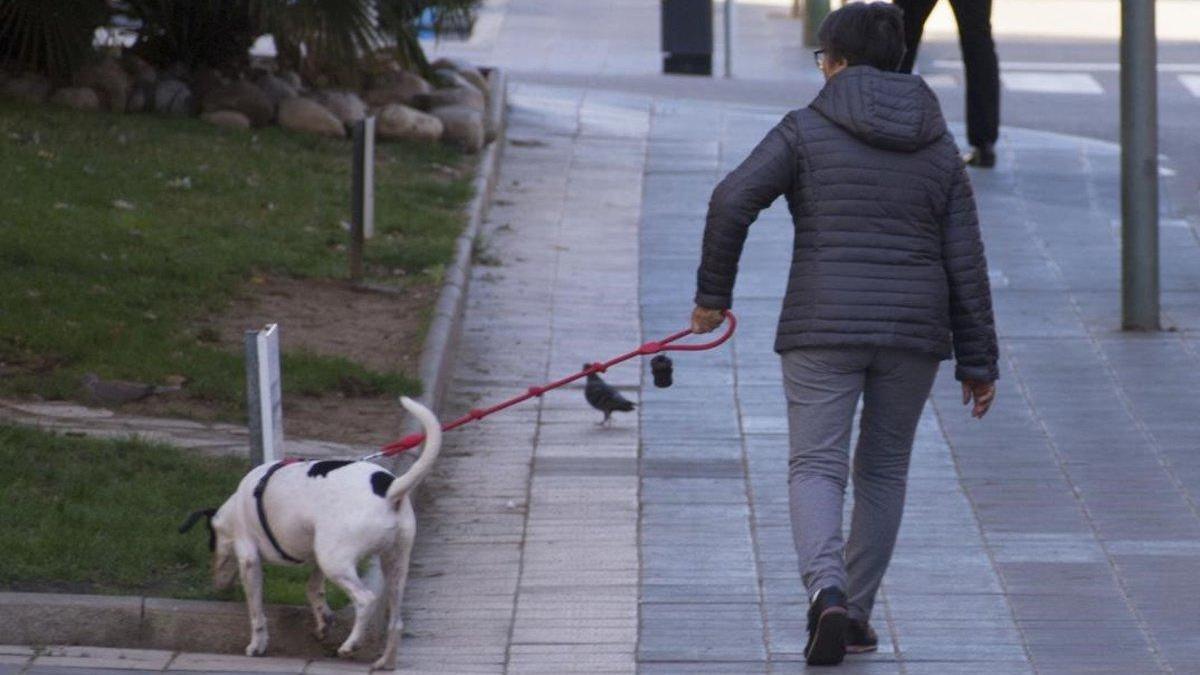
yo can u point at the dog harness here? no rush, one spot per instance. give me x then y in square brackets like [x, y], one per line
[262, 512]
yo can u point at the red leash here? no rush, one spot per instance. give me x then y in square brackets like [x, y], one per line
[413, 440]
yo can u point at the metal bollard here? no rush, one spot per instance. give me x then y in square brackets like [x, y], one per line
[362, 194]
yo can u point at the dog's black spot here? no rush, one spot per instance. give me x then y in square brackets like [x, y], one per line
[322, 469]
[380, 482]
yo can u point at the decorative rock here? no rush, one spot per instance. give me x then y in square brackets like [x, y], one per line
[402, 122]
[460, 95]
[207, 80]
[139, 69]
[178, 71]
[476, 78]
[79, 98]
[399, 87]
[345, 105]
[141, 97]
[454, 78]
[465, 69]
[243, 97]
[292, 78]
[302, 114]
[28, 88]
[276, 89]
[451, 63]
[172, 97]
[463, 126]
[109, 81]
[227, 118]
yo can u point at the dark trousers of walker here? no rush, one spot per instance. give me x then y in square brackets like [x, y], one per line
[974, 19]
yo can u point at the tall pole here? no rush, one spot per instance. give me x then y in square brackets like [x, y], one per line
[728, 38]
[815, 12]
[1139, 167]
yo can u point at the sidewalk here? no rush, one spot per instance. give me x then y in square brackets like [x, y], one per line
[1045, 537]
[1061, 534]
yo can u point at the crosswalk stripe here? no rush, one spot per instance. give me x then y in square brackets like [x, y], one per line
[940, 80]
[1051, 83]
[1192, 82]
[1068, 66]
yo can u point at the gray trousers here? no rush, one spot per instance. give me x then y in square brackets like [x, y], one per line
[823, 387]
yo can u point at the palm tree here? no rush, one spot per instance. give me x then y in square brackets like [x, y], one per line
[312, 36]
[48, 37]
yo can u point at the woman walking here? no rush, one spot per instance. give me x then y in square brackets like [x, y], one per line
[888, 278]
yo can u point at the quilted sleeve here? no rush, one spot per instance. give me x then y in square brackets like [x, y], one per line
[971, 320]
[767, 173]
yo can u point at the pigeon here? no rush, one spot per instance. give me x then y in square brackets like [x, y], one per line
[604, 397]
[118, 392]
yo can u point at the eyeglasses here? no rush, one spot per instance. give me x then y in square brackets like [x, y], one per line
[819, 56]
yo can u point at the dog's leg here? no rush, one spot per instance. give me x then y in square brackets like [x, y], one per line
[395, 565]
[250, 569]
[343, 573]
[322, 615]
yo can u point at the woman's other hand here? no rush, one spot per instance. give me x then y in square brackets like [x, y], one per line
[983, 393]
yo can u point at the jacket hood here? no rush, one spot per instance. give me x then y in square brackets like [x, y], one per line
[893, 111]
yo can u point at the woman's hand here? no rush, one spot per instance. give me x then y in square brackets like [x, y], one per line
[983, 393]
[705, 320]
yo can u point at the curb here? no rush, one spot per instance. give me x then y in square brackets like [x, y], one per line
[223, 627]
[437, 357]
[134, 622]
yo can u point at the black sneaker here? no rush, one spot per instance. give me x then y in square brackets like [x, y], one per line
[860, 637]
[982, 156]
[826, 628]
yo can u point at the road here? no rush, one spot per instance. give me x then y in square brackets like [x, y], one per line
[1073, 87]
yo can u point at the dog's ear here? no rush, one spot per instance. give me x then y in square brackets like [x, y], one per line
[195, 516]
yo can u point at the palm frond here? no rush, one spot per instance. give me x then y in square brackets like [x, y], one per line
[49, 37]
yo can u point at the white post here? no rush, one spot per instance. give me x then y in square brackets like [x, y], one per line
[264, 395]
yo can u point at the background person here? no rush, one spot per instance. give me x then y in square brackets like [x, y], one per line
[974, 18]
[888, 277]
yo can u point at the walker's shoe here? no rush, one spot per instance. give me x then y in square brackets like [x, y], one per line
[860, 637]
[982, 156]
[826, 628]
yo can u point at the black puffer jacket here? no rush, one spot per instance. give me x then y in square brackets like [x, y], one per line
[887, 249]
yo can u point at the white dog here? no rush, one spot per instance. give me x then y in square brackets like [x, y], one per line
[332, 514]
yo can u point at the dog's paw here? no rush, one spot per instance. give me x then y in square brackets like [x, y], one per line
[384, 663]
[348, 648]
[256, 647]
[323, 624]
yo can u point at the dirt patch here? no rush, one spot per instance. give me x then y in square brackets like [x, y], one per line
[381, 330]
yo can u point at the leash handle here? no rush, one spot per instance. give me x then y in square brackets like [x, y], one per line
[653, 347]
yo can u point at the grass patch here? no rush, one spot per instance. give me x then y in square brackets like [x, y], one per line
[100, 516]
[117, 232]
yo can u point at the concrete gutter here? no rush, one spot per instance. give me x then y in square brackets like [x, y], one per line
[223, 627]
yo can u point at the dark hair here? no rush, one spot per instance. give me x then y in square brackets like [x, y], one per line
[864, 34]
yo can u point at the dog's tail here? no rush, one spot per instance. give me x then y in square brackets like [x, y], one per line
[433, 445]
